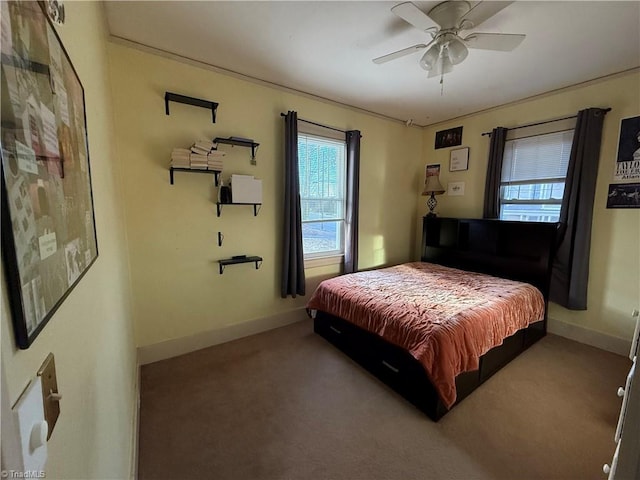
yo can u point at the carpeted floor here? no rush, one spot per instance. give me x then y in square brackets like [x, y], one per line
[286, 404]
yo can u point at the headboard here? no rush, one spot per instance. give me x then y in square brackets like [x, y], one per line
[520, 251]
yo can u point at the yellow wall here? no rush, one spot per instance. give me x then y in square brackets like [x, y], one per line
[614, 280]
[172, 230]
[91, 334]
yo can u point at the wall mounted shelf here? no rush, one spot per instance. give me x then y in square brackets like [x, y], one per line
[234, 261]
[256, 207]
[216, 173]
[196, 102]
[240, 143]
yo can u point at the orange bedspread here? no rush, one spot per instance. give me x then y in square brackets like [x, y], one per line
[446, 318]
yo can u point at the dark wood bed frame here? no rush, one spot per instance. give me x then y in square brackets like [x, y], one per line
[516, 250]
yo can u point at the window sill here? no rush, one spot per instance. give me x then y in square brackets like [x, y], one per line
[323, 261]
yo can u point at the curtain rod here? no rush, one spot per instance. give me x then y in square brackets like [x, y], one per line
[317, 124]
[605, 110]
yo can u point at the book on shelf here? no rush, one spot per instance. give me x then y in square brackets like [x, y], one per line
[175, 164]
[180, 158]
[202, 155]
[180, 152]
[204, 145]
[199, 151]
[198, 161]
[214, 160]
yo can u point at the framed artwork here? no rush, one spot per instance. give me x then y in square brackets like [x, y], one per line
[628, 157]
[449, 138]
[455, 189]
[48, 225]
[431, 170]
[623, 195]
[459, 159]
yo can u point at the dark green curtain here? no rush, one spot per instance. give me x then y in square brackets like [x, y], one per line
[293, 281]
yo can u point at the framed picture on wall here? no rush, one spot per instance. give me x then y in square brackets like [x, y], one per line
[628, 156]
[623, 195]
[459, 159]
[48, 226]
[449, 138]
[431, 170]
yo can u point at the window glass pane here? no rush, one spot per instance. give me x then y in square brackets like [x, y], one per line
[321, 167]
[321, 209]
[533, 173]
[557, 190]
[322, 175]
[530, 213]
[535, 191]
[319, 237]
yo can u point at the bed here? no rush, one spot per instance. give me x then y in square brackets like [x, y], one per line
[500, 262]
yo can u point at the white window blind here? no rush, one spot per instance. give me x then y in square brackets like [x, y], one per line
[533, 176]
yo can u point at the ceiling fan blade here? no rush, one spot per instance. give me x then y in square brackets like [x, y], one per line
[399, 53]
[503, 42]
[413, 15]
[480, 12]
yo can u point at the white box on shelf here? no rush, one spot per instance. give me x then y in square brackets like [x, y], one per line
[246, 189]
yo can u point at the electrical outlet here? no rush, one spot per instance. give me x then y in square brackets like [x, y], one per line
[50, 395]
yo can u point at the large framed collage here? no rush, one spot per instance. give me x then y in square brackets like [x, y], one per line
[48, 225]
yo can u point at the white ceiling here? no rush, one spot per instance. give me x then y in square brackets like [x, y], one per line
[325, 49]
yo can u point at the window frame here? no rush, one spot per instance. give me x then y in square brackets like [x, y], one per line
[335, 256]
[539, 131]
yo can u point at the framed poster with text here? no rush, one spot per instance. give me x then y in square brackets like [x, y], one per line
[459, 159]
[628, 157]
[48, 225]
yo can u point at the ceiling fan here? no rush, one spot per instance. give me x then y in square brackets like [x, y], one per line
[443, 23]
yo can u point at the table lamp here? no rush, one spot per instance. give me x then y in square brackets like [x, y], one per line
[432, 187]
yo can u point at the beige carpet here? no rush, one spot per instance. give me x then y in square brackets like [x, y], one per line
[286, 404]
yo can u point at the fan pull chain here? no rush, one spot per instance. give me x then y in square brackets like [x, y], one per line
[441, 84]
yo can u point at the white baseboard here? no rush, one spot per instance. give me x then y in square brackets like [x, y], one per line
[580, 334]
[135, 425]
[180, 346]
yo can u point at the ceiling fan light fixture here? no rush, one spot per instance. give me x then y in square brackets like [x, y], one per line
[444, 23]
[457, 51]
[430, 58]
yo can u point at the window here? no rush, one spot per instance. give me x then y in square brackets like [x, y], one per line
[322, 173]
[534, 169]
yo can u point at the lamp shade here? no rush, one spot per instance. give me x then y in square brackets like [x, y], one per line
[457, 51]
[433, 185]
[430, 58]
